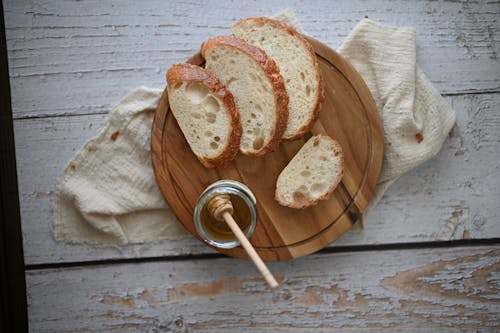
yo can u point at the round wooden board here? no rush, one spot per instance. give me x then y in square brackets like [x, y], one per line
[348, 114]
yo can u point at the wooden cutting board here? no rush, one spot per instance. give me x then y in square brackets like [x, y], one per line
[348, 114]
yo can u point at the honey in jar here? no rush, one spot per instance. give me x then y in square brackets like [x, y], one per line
[219, 229]
[217, 233]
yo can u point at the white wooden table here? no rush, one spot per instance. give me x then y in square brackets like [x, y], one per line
[429, 259]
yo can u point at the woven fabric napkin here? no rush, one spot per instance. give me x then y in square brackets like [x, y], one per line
[108, 194]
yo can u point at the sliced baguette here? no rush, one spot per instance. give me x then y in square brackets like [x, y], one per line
[312, 174]
[258, 89]
[298, 65]
[206, 113]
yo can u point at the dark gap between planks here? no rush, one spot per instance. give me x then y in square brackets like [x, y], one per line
[208, 256]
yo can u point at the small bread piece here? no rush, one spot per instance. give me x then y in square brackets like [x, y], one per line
[312, 174]
[258, 89]
[206, 113]
[298, 65]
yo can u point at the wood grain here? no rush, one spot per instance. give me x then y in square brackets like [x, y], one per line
[71, 61]
[92, 53]
[453, 196]
[348, 114]
[59, 53]
[438, 290]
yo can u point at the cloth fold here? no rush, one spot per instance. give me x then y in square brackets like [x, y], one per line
[108, 194]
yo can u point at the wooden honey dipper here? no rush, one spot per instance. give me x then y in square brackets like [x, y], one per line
[221, 208]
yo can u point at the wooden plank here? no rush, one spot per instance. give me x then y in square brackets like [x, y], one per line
[453, 196]
[454, 289]
[81, 57]
[44, 149]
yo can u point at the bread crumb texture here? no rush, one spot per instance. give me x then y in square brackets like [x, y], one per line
[312, 174]
[201, 117]
[297, 63]
[258, 89]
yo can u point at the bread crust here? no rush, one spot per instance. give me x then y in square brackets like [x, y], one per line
[273, 74]
[320, 95]
[185, 72]
[303, 202]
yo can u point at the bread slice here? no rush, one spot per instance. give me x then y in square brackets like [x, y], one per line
[258, 89]
[298, 65]
[206, 113]
[312, 174]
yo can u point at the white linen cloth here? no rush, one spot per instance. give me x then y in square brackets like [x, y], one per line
[108, 194]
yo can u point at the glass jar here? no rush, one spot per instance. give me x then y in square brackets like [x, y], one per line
[217, 233]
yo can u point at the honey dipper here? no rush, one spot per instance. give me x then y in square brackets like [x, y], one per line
[221, 208]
